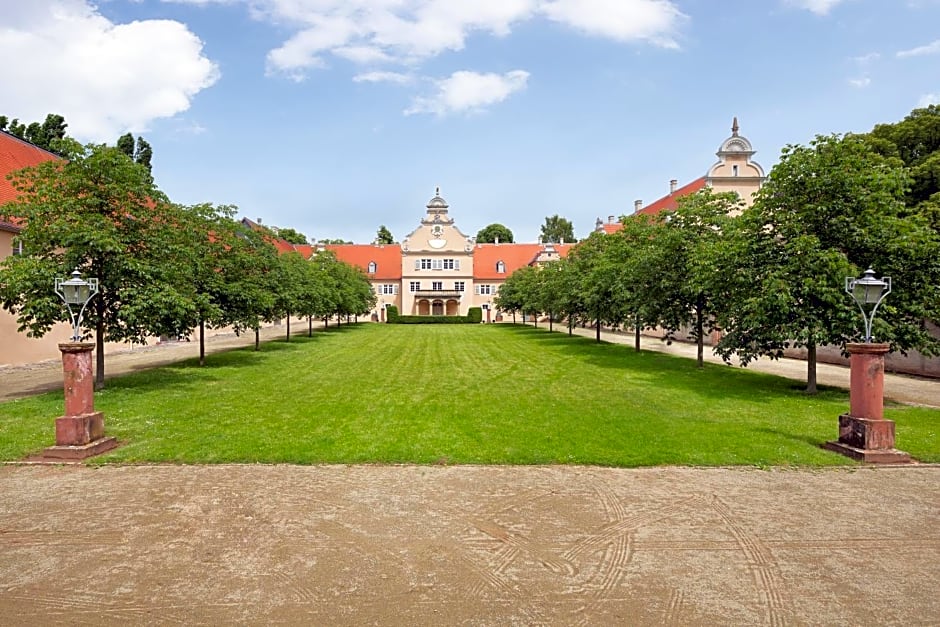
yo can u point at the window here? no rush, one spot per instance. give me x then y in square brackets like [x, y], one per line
[459, 286]
[415, 286]
[372, 267]
[17, 246]
[437, 286]
[448, 264]
[500, 267]
[485, 290]
[425, 264]
[388, 288]
[734, 170]
[437, 264]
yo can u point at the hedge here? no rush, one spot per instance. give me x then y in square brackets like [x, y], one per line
[474, 316]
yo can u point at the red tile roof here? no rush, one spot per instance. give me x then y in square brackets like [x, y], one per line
[611, 227]
[670, 201]
[515, 256]
[387, 258]
[16, 154]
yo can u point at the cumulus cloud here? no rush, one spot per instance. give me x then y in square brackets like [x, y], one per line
[623, 20]
[104, 78]
[372, 32]
[819, 7]
[383, 77]
[860, 82]
[931, 48]
[928, 99]
[467, 92]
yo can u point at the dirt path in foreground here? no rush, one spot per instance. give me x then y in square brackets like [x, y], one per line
[468, 545]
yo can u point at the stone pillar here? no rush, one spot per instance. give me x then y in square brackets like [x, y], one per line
[80, 432]
[864, 434]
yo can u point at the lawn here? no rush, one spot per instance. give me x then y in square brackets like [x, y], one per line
[478, 394]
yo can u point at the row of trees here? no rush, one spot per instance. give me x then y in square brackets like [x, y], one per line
[164, 269]
[769, 276]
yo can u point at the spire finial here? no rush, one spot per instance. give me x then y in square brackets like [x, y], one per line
[437, 190]
[734, 127]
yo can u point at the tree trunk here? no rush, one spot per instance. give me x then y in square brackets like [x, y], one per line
[636, 334]
[514, 317]
[257, 338]
[550, 316]
[811, 367]
[326, 322]
[99, 344]
[309, 326]
[700, 334]
[288, 326]
[570, 323]
[597, 332]
[202, 342]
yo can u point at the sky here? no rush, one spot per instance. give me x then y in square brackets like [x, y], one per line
[334, 117]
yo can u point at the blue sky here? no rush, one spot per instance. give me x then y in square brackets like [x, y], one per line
[336, 116]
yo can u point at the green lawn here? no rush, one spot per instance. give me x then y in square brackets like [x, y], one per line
[460, 394]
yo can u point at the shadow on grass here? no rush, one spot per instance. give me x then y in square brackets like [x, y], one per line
[671, 372]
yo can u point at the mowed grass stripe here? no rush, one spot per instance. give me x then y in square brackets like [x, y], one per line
[459, 394]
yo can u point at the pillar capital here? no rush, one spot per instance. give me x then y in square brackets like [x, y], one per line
[76, 347]
[867, 348]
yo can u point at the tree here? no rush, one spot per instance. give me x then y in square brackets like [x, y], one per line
[97, 212]
[557, 230]
[46, 135]
[290, 235]
[335, 241]
[828, 210]
[141, 152]
[493, 233]
[384, 236]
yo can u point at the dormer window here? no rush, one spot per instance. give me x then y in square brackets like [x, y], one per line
[372, 267]
[500, 267]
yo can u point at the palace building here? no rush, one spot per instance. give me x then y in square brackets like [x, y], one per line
[439, 270]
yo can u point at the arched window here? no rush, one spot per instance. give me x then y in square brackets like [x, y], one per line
[500, 267]
[734, 170]
[372, 267]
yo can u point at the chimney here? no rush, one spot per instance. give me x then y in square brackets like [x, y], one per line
[637, 205]
[672, 186]
[258, 220]
[610, 219]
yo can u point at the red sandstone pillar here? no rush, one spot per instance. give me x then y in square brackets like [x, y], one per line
[80, 432]
[864, 434]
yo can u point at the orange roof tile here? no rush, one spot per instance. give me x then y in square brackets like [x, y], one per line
[515, 256]
[612, 227]
[670, 201]
[16, 154]
[387, 258]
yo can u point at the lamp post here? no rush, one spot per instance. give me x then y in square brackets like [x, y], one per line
[80, 432]
[864, 434]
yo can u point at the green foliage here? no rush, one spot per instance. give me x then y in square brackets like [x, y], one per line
[384, 236]
[472, 317]
[337, 241]
[475, 315]
[98, 212]
[46, 135]
[141, 152]
[557, 229]
[391, 314]
[291, 235]
[374, 394]
[493, 232]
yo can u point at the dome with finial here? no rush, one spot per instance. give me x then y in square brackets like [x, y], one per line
[736, 144]
[437, 202]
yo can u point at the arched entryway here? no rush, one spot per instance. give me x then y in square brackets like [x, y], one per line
[437, 308]
[424, 308]
[452, 307]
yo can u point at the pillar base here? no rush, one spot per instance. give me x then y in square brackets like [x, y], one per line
[80, 451]
[867, 439]
[79, 430]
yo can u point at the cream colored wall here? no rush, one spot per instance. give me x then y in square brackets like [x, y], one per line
[419, 247]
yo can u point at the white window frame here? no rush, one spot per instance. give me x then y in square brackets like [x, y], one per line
[414, 286]
[437, 286]
[501, 267]
[484, 290]
[372, 267]
[460, 286]
[388, 289]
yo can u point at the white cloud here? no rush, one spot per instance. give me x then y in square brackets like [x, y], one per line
[860, 82]
[408, 31]
[865, 59]
[623, 20]
[931, 48]
[383, 77]
[819, 7]
[104, 78]
[928, 99]
[466, 92]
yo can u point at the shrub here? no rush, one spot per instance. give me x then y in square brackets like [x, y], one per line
[391, 314]
[475, 315]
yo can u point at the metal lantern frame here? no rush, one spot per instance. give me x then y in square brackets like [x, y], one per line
[76, 292]
[868, 292]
